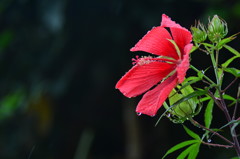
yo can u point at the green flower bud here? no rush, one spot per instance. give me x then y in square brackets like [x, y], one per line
[184, 110]
[217, 29]
[199, 33]
[179, 111]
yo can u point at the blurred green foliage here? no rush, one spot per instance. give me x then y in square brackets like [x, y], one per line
[10, 103]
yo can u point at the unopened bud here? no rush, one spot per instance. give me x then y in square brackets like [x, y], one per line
[217, 29]
[184, 110]
[199, 33]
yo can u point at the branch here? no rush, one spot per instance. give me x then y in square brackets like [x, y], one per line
[214, 132]
[229, 85]
[236, 105]
[217, 145]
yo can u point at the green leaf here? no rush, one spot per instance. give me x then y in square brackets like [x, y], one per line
[205, 99]
[191, 133]
[194, 151]
[208, 113]
[208, 45]
[225, 64]
[164, 113]
[185, 152]
[191, 152]
[233, 71]
[229, 123]
[232, 50]
[191, 78]
[235, 158]
[5, 39]
[225, 41]
[189, 81]
[234, 126]
[179, 146]
[10, 103]
[228, 97]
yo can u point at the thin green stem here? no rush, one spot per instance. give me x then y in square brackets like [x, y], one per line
[214, 63]
[197, 70]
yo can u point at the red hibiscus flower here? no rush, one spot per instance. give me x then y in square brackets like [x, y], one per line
[158, 75]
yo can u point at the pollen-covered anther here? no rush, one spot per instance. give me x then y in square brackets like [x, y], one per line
[145, 60]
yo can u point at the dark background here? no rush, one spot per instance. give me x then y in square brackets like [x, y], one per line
[59, 63]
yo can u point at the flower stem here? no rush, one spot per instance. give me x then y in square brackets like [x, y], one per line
[217, 145]
[225, 89]
[236, 105]
[222, 102]
[233, 131]
[214, 132]
[215, 64]
[197, 70]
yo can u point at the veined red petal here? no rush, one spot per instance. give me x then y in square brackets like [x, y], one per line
[180, 35]
[184, 65]
[167, 22]
[141, 78]
[156, 42]
[153, 99]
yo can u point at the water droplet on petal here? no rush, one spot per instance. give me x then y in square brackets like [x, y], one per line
[139, 114]
[152, 115]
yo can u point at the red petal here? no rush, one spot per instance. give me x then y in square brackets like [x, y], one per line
[184, 65]
[167, 22]
[180, 35]
[142, 77]
[156, 42]
[153, 100]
